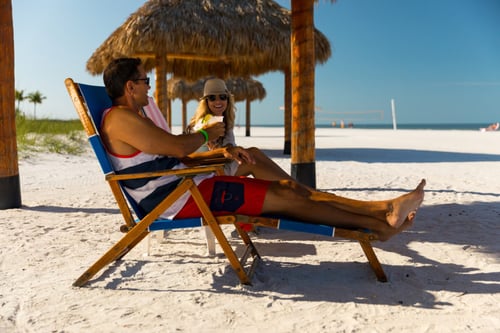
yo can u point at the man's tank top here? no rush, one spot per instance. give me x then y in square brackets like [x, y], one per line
[148, 193]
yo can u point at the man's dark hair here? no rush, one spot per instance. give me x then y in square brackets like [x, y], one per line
[117, 73]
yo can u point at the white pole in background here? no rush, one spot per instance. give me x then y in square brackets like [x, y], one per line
[393, 108]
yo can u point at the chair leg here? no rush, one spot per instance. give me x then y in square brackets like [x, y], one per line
[213, 224]
[150, 237]
[250, 251]
[210, 238]
[228, 250]
[148, 249]
[373, 260]
[116, 252]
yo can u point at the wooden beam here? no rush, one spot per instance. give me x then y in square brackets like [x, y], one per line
[10, 190]
[186, 56]
[303, 166]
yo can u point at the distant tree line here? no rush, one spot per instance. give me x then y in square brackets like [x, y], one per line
[33, 97]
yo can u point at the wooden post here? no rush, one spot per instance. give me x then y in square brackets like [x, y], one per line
[169, 113]
[184, 115]
[10, 190]
[161, 85]
[303, 166]
[287, 113]
[247, 119]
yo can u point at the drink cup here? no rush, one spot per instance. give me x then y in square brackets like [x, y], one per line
[215, 119]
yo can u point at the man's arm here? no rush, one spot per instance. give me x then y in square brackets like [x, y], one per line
[239, 154]
[125, 132]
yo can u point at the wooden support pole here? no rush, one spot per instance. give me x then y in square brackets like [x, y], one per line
[303, 166]
[247, 119]
[10, 190]
[184, 115]
[161, 87]
[287, 112]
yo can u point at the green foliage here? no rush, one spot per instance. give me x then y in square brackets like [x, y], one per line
[49, 135]
[36, 98]
[19, 97]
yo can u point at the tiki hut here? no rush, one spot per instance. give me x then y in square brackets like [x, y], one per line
[194, 38]
[243, 89]
[202, 38]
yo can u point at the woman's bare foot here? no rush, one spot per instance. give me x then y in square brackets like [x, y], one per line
[405, 207]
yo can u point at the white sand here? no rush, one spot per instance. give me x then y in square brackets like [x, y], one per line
[444, 273]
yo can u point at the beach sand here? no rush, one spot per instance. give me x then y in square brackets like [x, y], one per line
[444, 272]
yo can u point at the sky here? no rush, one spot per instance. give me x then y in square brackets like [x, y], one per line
[439, 60]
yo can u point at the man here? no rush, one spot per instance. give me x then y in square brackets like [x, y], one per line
[134, 143]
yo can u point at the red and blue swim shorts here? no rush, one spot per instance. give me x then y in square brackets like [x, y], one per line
[229, 195]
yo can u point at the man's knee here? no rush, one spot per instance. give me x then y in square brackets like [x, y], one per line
[255, 152]
[290, 189]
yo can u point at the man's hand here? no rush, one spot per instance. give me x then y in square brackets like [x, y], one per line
[215, 130]
[239, 154]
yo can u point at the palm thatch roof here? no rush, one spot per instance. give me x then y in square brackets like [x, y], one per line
[202, 37]
[241, 88]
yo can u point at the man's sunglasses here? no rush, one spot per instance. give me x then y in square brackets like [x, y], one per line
[146, 80]
[222, 97]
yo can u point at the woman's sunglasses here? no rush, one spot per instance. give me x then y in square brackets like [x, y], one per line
[222, 97]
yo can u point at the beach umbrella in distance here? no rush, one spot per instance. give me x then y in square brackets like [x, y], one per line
[10, 190]
[243, 89]
[193, 39]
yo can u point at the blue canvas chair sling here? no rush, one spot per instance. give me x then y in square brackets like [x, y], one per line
[90, 102]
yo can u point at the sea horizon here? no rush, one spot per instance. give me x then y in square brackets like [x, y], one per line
[423, 126]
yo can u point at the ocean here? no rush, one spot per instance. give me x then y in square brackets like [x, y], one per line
[461, 126]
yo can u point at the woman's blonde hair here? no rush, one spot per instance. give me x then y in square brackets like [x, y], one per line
[202, 110]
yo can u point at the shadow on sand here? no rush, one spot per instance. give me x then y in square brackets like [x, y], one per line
[375, 155]
[413, 283]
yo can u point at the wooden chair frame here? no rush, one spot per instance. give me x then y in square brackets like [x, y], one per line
[135, 230]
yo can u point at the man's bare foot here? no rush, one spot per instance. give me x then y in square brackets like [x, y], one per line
[387, 233]
[412, 215]
[405, 207]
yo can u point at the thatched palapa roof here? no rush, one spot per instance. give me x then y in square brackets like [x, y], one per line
[200, 38]
[241, 88]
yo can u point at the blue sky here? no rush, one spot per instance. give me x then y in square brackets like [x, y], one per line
[438, 59]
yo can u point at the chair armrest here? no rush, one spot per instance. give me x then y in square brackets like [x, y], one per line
[206, 158]
[178, 172]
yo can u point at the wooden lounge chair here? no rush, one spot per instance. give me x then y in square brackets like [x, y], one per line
[90, 102]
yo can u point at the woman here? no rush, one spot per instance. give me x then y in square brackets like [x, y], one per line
[217, 101]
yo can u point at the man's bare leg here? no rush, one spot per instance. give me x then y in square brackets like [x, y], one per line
[292, 200]
[394, 211]
[264, 167]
